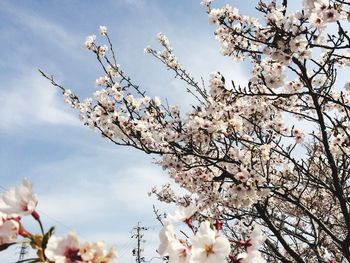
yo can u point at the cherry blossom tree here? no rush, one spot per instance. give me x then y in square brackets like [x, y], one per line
[266, 165]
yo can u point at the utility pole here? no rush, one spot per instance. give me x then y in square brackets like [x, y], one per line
[22, 252]
[137, 251]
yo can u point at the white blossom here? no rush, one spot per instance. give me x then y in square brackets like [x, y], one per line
[208, 246]
[8, 230]
[183, 213]
[90, 41]
[166, 236]
[103, 30]
[63, 249]
[20, 200]
[206, 2]
[96, 253]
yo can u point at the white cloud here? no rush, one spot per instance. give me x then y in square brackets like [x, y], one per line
[137, 3]
[94, 187]
[92, 198]
[99, 201]
[30, 100]
[43, 27]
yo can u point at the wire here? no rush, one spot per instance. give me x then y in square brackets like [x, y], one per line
[126, 247]
[158, 226]
[55, 220]
[47, 215]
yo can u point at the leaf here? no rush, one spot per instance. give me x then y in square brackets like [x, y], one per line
[30, 260]
[5, 246]
[36, 241]
[47, 237]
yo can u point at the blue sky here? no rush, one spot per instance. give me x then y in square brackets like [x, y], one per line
[85, 183]
[82, 180]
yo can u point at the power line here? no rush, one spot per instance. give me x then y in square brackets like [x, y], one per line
[55, 220]
[126, 247]
[47, 215]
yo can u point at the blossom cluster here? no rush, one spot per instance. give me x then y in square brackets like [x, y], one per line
[321, 12]
[68, 249]
[16, 203]
[21, 201]
[243, 36]
[207, 245]
[167, 55]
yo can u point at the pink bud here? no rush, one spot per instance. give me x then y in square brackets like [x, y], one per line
[218, 225]
[22, 232]
[36, 215]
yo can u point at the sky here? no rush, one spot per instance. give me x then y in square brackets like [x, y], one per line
[84, 183]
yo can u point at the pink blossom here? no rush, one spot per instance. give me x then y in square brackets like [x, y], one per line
[8, 230]
[63, 249]
[20, 200]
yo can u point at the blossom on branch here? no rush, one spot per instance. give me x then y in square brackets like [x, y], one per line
[19, 201]
[209, 246]
[9, 229]
[103, 30]
[67, 249]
